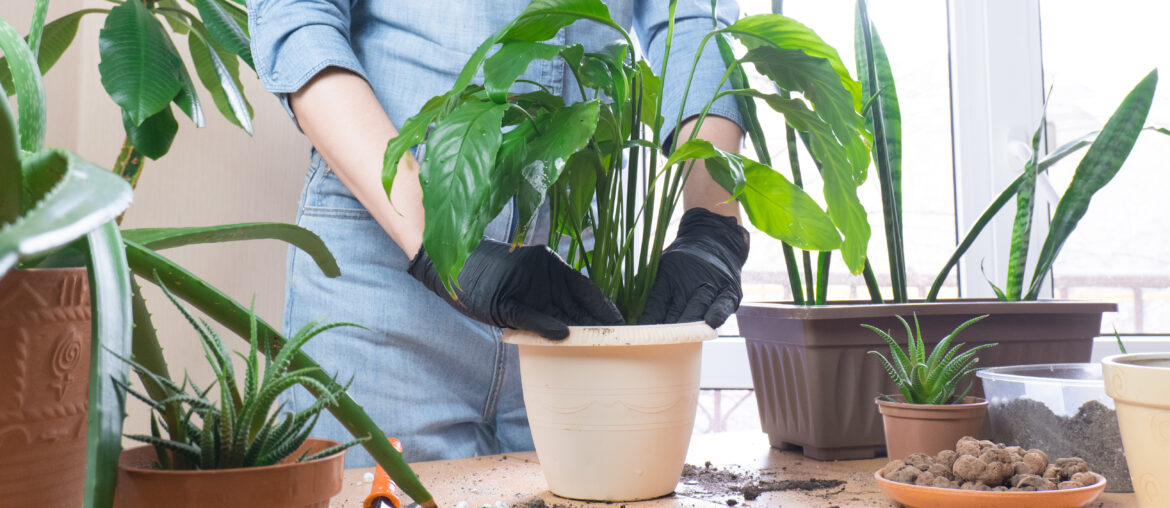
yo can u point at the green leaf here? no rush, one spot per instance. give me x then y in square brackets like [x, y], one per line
[219, 72]
[784, 211]
[30, 90]
[83, 199]
[11, 177]
[139, 67]
[725, 168]
[57, 37]
[542, 19]
[176, 25]
[301, 238]
[501, 70]
[236, 317]
[1104, 158]
[457, 182]
[538, 164]
[1022, 225]
[651, 96]
[109, 282]
[224, 29]
[154, 137]
[412, 132]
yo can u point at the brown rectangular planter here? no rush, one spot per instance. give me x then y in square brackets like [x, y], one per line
[815, 383]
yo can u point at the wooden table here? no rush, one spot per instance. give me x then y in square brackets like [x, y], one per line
[516, 477]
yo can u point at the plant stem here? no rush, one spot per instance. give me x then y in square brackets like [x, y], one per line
[823, 259]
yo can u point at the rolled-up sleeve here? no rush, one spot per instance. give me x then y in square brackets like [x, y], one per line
[692, 22]
[293, 40]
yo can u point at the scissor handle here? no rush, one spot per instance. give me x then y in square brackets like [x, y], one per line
[383, 487]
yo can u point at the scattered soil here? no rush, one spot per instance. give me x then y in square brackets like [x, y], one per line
[984, 465]
[1092, 434]
[725, 482]
[537, 502]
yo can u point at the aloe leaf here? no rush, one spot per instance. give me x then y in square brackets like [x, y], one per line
[224, 29]
[84, 198]
[219, 71]
[1104, 158]
[109, 282]
[1022, 225]
[301, 238]
[236, 318]
[27, 84]
[153, 137]
[139, 68]
[11, 176]
[457, 183]
[57, 37]
[899, 358]
[884, 118]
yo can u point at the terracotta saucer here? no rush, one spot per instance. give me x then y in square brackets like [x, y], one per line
[917, 496]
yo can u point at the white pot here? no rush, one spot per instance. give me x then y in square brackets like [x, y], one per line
[1138, 384]
[612, 408]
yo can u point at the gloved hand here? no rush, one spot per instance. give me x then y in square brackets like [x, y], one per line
[699, 274]
[530, 289]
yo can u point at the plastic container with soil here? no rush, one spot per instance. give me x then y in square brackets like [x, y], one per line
[815, 383]
[1062, 409]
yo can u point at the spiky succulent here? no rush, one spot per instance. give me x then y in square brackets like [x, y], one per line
[242, 429]
[929, 379]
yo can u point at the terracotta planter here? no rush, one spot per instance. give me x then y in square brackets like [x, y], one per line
[44, 386]
[1138, 384]
[929, 428]
[612, 408]
[288, 484]
[815, 383]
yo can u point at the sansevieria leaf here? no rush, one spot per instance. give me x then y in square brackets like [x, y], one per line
[140, 69]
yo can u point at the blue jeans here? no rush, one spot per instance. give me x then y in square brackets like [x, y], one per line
[443, 384]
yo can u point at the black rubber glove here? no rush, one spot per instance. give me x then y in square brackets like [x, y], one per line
[530, 288]
[699, 275]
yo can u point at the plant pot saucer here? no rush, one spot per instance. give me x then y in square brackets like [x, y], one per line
[633, 335]
[918, 496]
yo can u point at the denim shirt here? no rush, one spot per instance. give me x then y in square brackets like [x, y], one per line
[412, 50]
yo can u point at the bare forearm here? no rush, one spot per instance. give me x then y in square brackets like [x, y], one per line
[346, 124]
[701, 191]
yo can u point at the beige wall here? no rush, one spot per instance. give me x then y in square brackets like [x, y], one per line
[214, 175]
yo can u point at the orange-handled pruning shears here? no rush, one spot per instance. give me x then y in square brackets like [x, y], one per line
[384, 493]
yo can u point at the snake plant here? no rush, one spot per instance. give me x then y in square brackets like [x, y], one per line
[489, 143]
[933, 378]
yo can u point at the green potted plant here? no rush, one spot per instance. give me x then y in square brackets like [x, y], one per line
[816, 339]
[61, 197]
[486, 145]
[241, 452]
[1137, 383]
[929, 416]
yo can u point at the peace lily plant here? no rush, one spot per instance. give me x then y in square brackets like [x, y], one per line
[486, 144]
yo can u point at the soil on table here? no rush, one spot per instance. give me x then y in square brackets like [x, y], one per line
[1092, 434]
[749, 486]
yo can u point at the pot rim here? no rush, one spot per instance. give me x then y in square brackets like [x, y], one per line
[1123, 360]
[973, 403]
[866, 308]
[1007, 373]
[234, 470]
[620, 335]
[1100, 484]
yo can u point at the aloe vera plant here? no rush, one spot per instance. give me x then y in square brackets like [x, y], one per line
[933, 378]
[242, 430]
[486, 144]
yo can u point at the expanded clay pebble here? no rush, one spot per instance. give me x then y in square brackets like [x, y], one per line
[983, 465]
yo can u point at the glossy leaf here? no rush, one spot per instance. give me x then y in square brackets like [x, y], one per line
[236, 317]
[224, 29]
[727, 169]
[513, 58]
[154, 137]
[30, 90]
[301, 238]
[1022, 224]
[885, 122]
[1104, 158]
[84, 198]
[456, 179]
[139, 67]
[560, 135]
[109, 282]
[56, 38]
[784, 211]
[542, 19]
[219, 72]
[412, 132]
[11, 177]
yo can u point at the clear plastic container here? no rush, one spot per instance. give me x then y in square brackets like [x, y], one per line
[1060, 408]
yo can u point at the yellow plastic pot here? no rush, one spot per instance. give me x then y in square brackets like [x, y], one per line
[1140, 387]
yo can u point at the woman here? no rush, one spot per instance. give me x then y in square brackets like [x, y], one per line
[431, 371]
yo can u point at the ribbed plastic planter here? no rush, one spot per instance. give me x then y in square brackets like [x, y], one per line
[815, 383]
